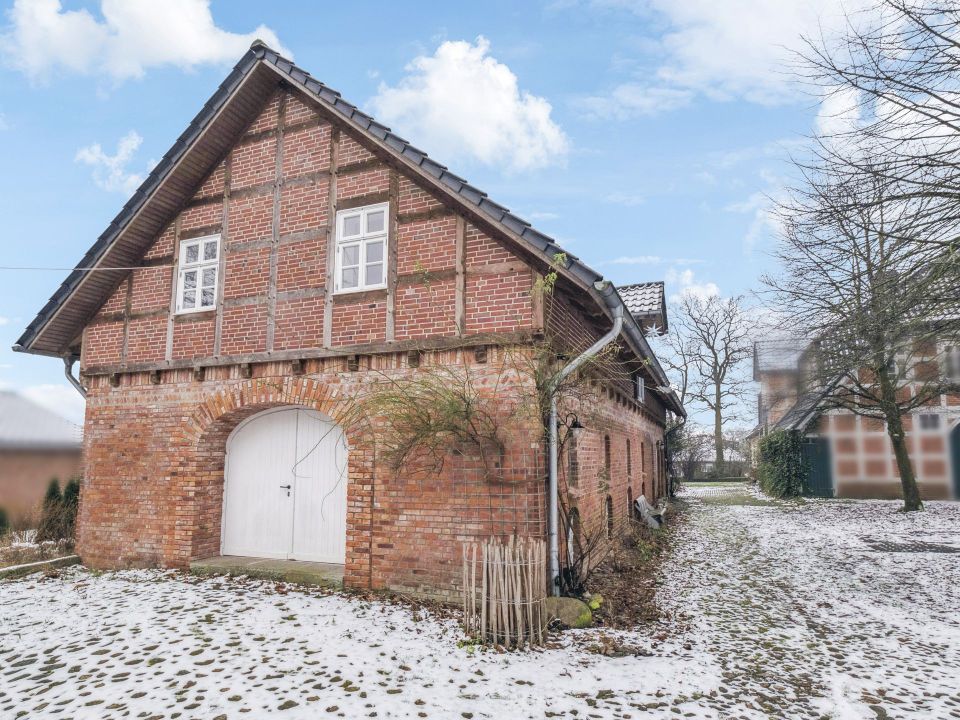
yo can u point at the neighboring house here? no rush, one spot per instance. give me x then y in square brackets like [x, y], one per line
[36, 446]
[849, 455]
[290, 253]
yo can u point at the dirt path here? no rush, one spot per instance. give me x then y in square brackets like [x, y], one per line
[821, 608]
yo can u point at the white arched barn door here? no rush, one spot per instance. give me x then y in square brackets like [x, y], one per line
[285, 487]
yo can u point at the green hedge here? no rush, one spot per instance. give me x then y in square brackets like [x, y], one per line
[781, 470]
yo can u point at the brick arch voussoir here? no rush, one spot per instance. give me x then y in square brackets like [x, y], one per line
[239, 402]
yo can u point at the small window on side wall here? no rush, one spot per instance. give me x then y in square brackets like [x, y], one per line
[951, 359]
[640, 387]
[197, 276]
[929, 422]
[361, 254]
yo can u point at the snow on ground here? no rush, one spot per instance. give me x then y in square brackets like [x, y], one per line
[844, 609]
[783, 610]
[88, 645]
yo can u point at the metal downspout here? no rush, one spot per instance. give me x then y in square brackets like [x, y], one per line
[553, 491]
[68, 361]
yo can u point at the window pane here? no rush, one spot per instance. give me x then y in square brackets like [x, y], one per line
[190, 280]
[375, 222]
[193, 253]
[351, 277]
[375, 274]
[210, 250]
[375, 252]
[351, 225]
[209, 277]
[189, 299]
[206, 298]
[350, 255]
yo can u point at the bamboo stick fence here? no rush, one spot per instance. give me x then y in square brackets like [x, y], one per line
[504, 588]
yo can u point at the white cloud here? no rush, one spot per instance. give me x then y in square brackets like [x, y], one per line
[839, 112]
[461, 102]
[764, 223]
[131, 37]
[4, 321]
[721, 50]
[684, 283]
[63, 400]
[637, 260]
[4, 125]
[543, 215]
[110, 171]
[627, 199]
[632, 99]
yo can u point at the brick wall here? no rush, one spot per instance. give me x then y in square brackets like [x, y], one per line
[275, 229]
[155, 456]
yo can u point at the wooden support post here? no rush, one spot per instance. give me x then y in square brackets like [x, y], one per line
[224, 239]
[275, 227]
[393, 209]
[127, 304]
[460, 289]
[331, 237]
[168, 352]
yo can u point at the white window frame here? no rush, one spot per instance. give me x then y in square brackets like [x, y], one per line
[951, 363]
[199, 266]
[936, 429]
[640, 387]
[362, 241]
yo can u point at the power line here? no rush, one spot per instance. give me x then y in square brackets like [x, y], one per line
[77, 269]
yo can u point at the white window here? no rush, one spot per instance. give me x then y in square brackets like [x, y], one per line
[361, 249]
[951, 358]
[640, 387]
[929, 422]
[197, 278]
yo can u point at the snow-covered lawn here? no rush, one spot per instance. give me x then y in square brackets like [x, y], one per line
[782, 610]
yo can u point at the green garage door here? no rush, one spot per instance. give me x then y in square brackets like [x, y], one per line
[955, 454]
[816, 455]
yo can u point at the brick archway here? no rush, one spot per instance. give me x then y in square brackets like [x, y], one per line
[198, 476]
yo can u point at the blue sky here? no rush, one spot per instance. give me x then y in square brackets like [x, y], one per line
[644, 135]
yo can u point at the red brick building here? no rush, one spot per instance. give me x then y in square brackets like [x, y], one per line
[36, 446]
[850, 455]
[289, 253]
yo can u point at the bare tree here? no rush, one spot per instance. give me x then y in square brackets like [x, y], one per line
[878, 302]
[869, 248]
[710, 340]
[894, 74]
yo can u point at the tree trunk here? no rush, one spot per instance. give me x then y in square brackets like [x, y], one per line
[718, 434]
[908, 481]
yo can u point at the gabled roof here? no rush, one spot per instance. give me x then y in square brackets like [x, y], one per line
[25, 425]
[806, 408]
[645, 300]
[209, 137]
[781, 355]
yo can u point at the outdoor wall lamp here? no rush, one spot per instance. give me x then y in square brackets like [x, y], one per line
[573, 425]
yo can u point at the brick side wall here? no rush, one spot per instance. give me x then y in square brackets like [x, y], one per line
[617, 455]
[155, 456]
